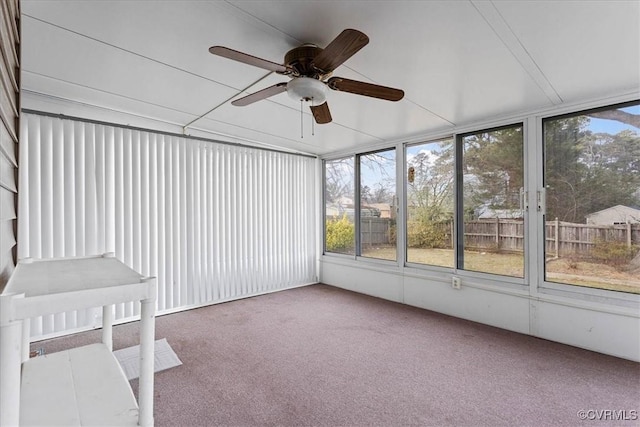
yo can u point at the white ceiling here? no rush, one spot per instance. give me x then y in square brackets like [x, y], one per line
[459, 62]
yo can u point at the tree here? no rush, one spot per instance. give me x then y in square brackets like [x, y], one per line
[621, 152]
[377, 177]
[586, 172]
[619, 116]
[562, 166]
[381, 194]
[493, 165]
[339, 179]
[431, 194]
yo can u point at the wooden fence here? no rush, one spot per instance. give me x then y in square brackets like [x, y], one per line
[566, 238]
[376, 231]
[507, 235]
[496, 235]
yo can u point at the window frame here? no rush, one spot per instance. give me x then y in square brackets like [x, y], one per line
[357, 198]
[459, 204]
[324, 207]
[532, 285]
[565, 290]
[405, 199]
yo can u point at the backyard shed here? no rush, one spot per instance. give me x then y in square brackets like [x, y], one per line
[615, 215]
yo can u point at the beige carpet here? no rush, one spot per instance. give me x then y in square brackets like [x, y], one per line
[322, 356]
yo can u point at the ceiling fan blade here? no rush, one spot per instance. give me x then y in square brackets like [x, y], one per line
[340, 49]
[365, 89]
[245, 58]
[321, 113]
[261, 94]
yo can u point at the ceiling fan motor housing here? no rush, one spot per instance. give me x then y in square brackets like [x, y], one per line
[301, 58]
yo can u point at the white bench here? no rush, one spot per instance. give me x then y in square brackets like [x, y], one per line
[83, 385]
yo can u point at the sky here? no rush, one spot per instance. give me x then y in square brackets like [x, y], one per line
[430, 147]
[612, 126]
[380, 171]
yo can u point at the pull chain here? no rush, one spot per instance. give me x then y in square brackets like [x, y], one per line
[301, 120]
[313, 132]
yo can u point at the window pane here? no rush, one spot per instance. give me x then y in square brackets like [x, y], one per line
[339, 229]
[592, 177]
[430, 203]
[493, 177]
[377, 205]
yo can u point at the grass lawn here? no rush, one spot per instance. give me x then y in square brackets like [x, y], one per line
[579, 273]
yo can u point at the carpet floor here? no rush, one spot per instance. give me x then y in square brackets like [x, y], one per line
[323, 356]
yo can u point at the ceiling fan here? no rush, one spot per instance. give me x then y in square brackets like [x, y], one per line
[310, 69]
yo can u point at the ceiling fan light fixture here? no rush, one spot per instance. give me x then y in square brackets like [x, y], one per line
[307, 89]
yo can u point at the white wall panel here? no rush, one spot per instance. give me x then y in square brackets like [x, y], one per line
[212, 221]
[495, 308]
[614, 334]
[589, 325]
[371, 279]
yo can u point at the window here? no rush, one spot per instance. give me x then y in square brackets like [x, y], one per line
[339, 207]
[430, 203]
[464, 201]
[490, 214]
[592, 182]
[377, 204]
[375, 209]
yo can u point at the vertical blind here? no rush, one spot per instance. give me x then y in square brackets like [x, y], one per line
[211, 221]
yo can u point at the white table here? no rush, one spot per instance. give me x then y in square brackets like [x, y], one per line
[83, 385]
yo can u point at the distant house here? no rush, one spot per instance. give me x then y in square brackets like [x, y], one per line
[384, 209]
[618, 214]
[488, 213]
[369, 211]
[337, 211]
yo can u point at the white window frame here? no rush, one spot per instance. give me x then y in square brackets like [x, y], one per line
[533, 283]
